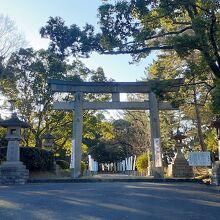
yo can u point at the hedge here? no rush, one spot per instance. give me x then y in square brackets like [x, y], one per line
[34, 158]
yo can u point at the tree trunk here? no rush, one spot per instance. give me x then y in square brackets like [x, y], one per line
[199, 123]
[148, 160]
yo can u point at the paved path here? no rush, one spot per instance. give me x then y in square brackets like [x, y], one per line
[109, 201]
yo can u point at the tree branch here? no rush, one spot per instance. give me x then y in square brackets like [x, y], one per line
[168, 47]
[142, 50]
[170, 33]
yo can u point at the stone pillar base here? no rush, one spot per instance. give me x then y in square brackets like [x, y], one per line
[158, 173]
[215, 180]
[181, 168]
[13, 173]
[74, 173]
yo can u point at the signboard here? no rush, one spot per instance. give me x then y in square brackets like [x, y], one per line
[199, 159]
[72, 160]
[157, 151]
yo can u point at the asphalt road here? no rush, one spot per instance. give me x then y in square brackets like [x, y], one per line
[109, 201]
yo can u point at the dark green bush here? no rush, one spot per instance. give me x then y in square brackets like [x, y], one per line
[34, 158]
[2, 154]
[37, 159]
[63, 164]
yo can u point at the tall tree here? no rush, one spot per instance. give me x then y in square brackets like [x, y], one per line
[29, 70]
[27, 85]
[138, 27]
[10, 38]
[195, 96]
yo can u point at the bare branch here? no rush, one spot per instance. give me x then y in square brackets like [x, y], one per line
[10, 38]
[142, 50]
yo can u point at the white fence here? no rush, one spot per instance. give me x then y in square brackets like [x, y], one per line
[128, 164]
[93, 165]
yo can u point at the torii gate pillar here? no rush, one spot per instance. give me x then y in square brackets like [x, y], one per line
[77, 136]
[155, 136]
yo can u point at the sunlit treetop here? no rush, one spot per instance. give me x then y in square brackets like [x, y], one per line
[138, 27]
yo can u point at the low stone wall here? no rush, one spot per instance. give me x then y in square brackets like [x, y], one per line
[11, 173]
[180, 169]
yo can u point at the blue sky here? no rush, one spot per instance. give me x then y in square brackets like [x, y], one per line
[30, 15]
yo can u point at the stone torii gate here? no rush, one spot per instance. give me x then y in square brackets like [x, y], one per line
[114, 88]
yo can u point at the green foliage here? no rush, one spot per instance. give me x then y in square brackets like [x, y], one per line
[188, 28]
[37, 159]
[133, 131]
[3, 151]
[80, 41]
[33, 158]
[63, 164]
[216, 98]
[83, 167]
[96, 127]
[3, 141]
[96, 130]
[107, 152]
[142, 162]
[193, 99]
[139, 27]
[128, 136]
[211, 141]
[29, 71]
[28, 86]
[121, 125]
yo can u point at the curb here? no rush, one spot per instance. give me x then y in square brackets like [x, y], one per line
[96, 180]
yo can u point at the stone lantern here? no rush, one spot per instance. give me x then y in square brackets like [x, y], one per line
[13, 171]
[48, 140]
[180, 166]
[48, 143]
[216, 165]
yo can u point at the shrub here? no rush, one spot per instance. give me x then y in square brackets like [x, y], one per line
[142, 162]
[3, 151]
[37, 159]
[63, 164]
[83, 167]
[34, 158]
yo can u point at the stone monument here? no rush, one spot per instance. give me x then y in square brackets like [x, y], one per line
[216, 165]
[13, 171]
[180, 167]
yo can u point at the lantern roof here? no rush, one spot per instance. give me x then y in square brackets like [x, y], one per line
[14, 121]
[179, 135]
